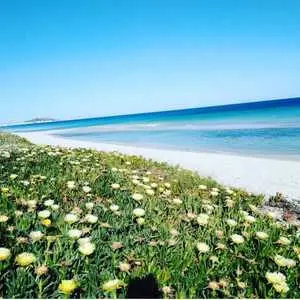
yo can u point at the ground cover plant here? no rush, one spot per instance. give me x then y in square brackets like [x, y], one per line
[82, 224]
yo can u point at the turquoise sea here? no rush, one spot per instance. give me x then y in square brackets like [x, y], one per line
[266, 128]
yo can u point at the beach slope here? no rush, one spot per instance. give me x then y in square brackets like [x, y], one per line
[257, 175]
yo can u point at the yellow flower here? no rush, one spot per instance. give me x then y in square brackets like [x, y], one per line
[67, 286]
[281, 288]
[140, 221]
[4, 253]
[25, 259]
[112, 285]
[5, 190]
[87, 248]
[46, 222]
[275, 277]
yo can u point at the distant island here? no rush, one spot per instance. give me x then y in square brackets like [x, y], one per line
[36, 120]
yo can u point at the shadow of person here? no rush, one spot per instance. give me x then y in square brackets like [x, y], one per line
[143, 288]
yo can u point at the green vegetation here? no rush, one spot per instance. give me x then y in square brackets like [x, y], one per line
[88, 222]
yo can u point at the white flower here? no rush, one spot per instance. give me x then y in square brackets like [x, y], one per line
[167, 185]
[13, 176]
[86, 189]
[202, 247]
[74, 233]
[261, 235]
[91, 219]
[202, 219]
[138, 212]
[124, 267]
[70, 218]
[36, 235]
[114, 207]
[31, 203]
[3, 218]
[278, 280]
[250, 219]
[275, 277]
[202, 187]
[284, 262]
[71, 185]
[115, 186]
[55, 207]
[49, 202]
[231, 222]
[229, 191]
[87, 248]
[146, 179]
[214, 193]
[137, 197]
[174, 232]
[4, 253]
[150, 192]
[177, 201]
[283, 241]
[237, 239]
[85, 240]
[112, 285]
[281, 288]
[154, 185]
[18, 213]
[44, 214]
[89, 205]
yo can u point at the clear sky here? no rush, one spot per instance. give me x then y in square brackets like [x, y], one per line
[76, 58]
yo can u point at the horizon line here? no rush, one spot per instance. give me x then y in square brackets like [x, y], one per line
[255, 104]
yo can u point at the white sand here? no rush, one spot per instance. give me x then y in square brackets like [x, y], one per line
[258, 175]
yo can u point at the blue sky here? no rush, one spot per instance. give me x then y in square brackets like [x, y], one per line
[71, 58]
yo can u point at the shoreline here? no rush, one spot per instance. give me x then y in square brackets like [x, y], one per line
[254, 174]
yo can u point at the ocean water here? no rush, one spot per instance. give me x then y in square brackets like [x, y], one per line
[267, 128]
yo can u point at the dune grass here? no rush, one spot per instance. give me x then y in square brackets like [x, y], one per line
[100, 219]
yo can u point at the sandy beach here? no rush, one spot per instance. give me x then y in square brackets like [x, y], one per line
[257, 175]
